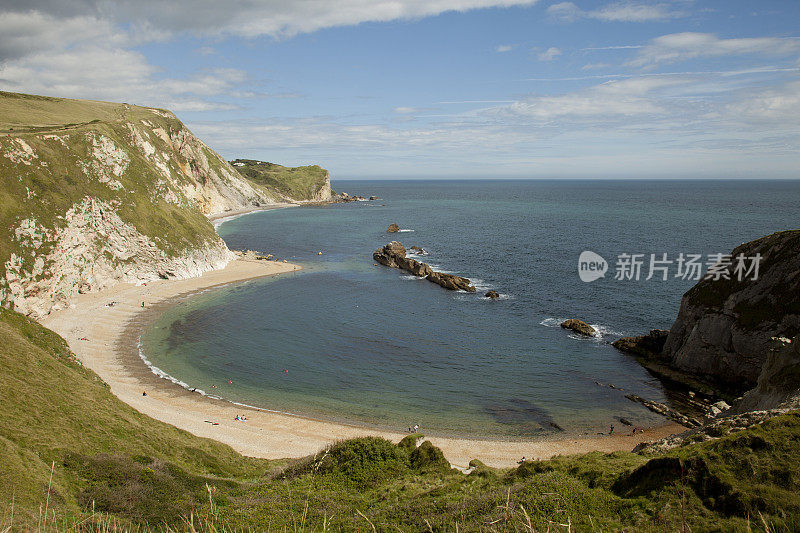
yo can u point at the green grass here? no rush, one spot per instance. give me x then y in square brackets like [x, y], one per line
[118, 469]
[55, 180]
[299, 183]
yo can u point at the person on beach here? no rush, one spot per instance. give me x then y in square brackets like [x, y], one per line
[611, 432]
[144, 393]
[142, 304]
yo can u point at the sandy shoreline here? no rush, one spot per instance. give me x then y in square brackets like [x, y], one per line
[111, 352]
[224, 216]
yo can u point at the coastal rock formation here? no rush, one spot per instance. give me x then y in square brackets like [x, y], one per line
[394, 255]
[417, 250]
[778, 385]
[344, 197]
[106, 193]
[725, 327]
[309, 184]
[648, 345]
[666, 411]
[494, 295]
[390, 254]
[578, 326]
[732, 335]
[451, 282]
[393, 228]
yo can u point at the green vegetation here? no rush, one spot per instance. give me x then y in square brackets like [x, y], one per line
[299, 183]
[113, 468]
[48, 165]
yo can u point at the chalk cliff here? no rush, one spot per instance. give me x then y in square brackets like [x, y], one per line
[96, 193]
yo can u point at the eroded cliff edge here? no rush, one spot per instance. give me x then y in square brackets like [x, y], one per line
[96, 193]
[738, 335]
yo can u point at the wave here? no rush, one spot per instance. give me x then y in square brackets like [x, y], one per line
[405, 230]
[160, 373]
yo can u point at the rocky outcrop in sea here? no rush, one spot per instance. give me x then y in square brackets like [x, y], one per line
[394, 255]
[578, 326]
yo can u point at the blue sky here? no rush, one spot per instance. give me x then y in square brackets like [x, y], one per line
[442, 88]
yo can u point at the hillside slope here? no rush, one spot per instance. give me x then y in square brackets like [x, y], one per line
[55, 410]
[94, 193]
[59, 419]
[310, 183]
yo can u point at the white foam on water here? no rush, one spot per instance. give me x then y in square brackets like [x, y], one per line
[405, 230]
[602, 332]
[157, 371]
[160, 373]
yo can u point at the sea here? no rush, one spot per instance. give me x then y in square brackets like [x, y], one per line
[350, 341]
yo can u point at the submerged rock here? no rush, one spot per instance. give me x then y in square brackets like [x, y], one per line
[417, 250]
[579, 326]
[393, 228]
[494, 295]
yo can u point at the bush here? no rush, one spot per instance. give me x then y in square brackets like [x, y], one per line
[428, 457]
[365, 461]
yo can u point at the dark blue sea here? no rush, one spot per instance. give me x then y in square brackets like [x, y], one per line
[350, 341]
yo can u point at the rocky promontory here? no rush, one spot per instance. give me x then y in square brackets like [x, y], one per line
[394, 255]
[736, 335]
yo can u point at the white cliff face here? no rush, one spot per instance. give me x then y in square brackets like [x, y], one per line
[324, 194]
[191, 167]
[110, 202]
[95, 249]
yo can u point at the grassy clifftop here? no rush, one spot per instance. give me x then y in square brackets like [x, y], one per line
[60, 419]
[93, 193]
[311, 183]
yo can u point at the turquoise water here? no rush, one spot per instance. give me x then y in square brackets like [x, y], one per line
[350, 341]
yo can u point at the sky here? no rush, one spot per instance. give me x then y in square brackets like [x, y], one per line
[440, 88]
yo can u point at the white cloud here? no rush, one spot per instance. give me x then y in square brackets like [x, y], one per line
[690, 45]
[504, 48]
[277, 18]
[406, 110]
[34, 32]
[615, 12]
[550, 54]
[609, 101]
[117, 74]
[595, 66]
[776, 106]
[83, 48]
